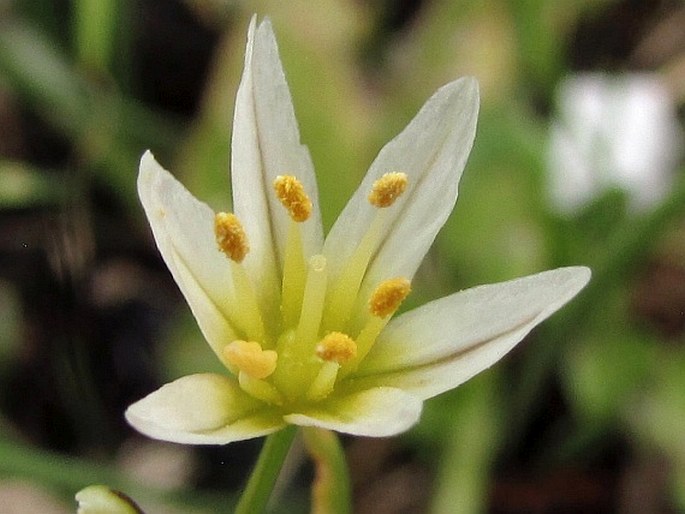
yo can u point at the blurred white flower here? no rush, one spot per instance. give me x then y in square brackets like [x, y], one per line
[613, 131]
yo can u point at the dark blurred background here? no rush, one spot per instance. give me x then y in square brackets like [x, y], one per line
[578, 160]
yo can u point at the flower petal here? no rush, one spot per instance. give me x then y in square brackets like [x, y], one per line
[375, 412]
[100, 499]
[444, 343]
[432, 151]
[202, 409]
[265, 144]
[183, 228]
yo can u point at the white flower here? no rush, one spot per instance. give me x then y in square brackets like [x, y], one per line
[302, 324]
[613, 131]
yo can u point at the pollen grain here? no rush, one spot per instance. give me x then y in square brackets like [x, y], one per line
[292, 195]
[387, 189]
[337, 347]
[388, 296]
[249, 358]
[230, 236]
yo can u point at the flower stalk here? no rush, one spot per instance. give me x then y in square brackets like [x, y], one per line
[263, 478]
[331, 492]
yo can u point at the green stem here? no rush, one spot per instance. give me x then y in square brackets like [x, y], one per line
[265, 473]
[331, 490]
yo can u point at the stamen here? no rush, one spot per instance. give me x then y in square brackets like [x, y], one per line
[294, 276]
[260, 389]
[387, 189]
[345, 287]
[232, 240]
[384, 301]
[292, 195]
[324, 382]
[298, 364]
[337, 347]
[246, 305]
[388, 296]
[250, 359]
[312, 303]
[343, 293]
[230, 236]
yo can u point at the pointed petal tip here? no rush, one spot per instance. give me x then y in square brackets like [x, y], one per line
[145, 160]
[471, 84]
[150, 175]
[264, 28]
[147, 165]
[464, 86]
[583, 271]
[251, 28]
[576, 277]
[266, 23]
[146, 171]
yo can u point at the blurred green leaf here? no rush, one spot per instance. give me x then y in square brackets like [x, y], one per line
[23, 186]
[94, 29]
[470, 448]
[11, 323]
[72, 474]
[496, 231]
[109, 131]
[185, 349]
[657, 417]
[37, 72]
[544, 28]
[606, 371]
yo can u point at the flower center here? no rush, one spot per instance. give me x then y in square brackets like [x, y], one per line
[317, 342]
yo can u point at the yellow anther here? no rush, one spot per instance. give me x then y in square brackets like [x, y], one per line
[337, 347]
[230, 236]
[387, 189]
[290, 192]
[249, 358]
[388, 296]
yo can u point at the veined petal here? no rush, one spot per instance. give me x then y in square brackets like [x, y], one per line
[432, 151]
[374, 412]
[183, 228]
[438, 346]
[202, 409]
[265, 144]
